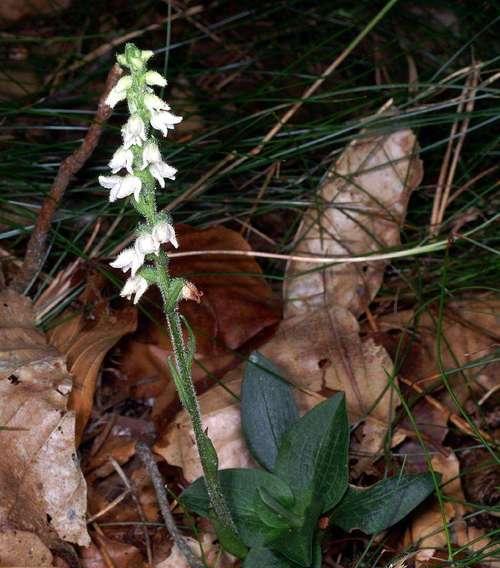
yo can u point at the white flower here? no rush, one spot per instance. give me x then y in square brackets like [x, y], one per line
[119, 91]
[155, 79]
[133, 132]
[146, 244]
[163, 232]
[121, 186]
[163, 120]
[154, 103]
[134, 285]
[159, 169]
[122, 158]
[128, 259]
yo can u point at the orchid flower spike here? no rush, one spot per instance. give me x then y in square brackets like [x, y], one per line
[137, 166]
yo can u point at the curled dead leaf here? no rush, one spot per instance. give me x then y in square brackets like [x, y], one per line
[42, 489]
[85, 337]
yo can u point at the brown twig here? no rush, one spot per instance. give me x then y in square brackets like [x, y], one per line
[133, 492]
[148, 460]
[35, 250]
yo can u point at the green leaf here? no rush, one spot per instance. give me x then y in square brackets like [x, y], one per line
[267, 409]
[296, 543]
[265, 558]
[274, 514]
[313, 454]
[378, 507]
[241, 489]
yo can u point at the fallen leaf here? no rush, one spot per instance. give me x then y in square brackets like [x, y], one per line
[85, 337]
[427, 530]
[21, 548]
[212, 553]
[220, 407]
[237, 309]
[123, 555]
[42, 489]
[359, 208]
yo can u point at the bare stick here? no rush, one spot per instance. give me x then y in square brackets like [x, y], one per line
[148, 460]
[135, 496]
[35, 250]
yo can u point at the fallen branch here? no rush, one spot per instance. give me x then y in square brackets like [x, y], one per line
[35, 251]
[148, 460]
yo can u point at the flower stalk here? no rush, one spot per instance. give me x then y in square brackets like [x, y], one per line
[142, 166]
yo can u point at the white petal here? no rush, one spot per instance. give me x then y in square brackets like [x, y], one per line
[146, 244]
[134, 285]
[141, 287]
[152, 102]
[119, 91]
[150, 154]
[122, 158]
[133, 132]
[164, 120]
[130, 185]
[146, 55]
[124, 260]
[109, 182]
[164, 232]
[155, 79]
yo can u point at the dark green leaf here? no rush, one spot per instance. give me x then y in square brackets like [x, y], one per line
[265, 558]
[241, 489]
[378, 507]
[313, 454]
[273, 513]
[296, 543]
[267, 409]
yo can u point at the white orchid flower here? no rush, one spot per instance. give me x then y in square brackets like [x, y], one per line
[154, 103]
[146, 244]
[122, 158]
[134, 285]
[121, 186]
[154, 79]
[128, 259]
[159, 169]
[134, 132]
[119, 91]
[164, 232]
[163, 120]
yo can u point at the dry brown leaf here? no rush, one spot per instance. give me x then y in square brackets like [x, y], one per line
[237, 308]
[123, 555]
[85, 337]
[427, 529]
[42, 489]
[220, 408]
[470, 331]
[361, 207]
[212, 553]
[21, 548]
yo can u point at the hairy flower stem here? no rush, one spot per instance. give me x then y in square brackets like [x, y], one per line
[148, 261]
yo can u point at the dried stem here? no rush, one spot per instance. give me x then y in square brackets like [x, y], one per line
[35, 251]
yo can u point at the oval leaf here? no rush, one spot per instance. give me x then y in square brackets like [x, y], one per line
[375, 508]
[267, 409]
[313, 453]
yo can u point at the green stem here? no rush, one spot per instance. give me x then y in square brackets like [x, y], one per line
[183, 356]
